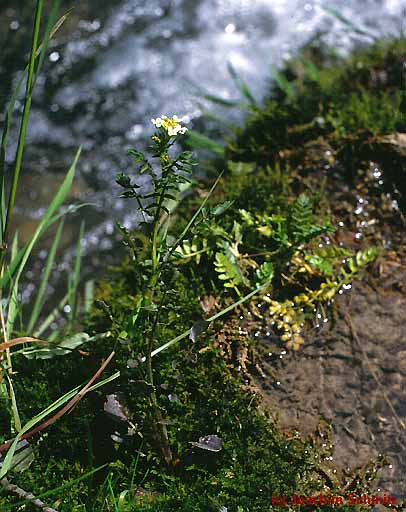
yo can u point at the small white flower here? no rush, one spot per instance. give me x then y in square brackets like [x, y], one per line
[171, 124]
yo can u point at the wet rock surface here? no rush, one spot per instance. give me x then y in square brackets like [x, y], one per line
[353, 375]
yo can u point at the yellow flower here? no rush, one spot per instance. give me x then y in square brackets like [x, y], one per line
[171, 124]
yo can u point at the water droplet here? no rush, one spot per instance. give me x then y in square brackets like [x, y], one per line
[54, 57]
[14, 25]
[229, 29]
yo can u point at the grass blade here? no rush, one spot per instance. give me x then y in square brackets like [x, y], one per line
[89, 295]
[73, 281]
[14, 408]
[348, 23]
[241, 85]
[197, 140]
[7, 123]
[218, 100]
[13, 297]
[39, 301]
[12, 266]
[283, 83]
[51, 317]
[48, 31]
[55, 204]
[24, 120]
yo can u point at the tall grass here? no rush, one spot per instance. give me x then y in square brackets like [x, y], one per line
[14, 259]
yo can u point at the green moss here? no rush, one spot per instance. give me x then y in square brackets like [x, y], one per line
[364, 94]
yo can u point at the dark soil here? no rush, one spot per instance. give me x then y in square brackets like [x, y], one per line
[336, 377]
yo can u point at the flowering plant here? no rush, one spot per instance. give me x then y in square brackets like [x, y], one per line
[152, 262]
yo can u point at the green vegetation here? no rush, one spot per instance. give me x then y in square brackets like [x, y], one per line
[180, 425]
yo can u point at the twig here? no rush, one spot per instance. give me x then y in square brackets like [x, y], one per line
[24, 495]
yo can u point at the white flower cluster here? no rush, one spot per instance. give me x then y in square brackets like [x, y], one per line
[171, 124]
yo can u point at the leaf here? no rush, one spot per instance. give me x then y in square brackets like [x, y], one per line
[212, 443]
[123, 180]
[221, 208]
[198, 328]
[228, 271]
[265, 272]
[144, 168]
[116, 407]
[138, 156]
[23, 457]
[301, 218]
[321, 264]
[64, 347]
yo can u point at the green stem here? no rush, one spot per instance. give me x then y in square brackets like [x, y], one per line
[25, 117]
[160, 428]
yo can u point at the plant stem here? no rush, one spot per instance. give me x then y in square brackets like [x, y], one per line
[161, 430]
[24, 120]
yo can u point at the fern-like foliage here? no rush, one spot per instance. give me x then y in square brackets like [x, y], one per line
[228, 271]
[302, 225]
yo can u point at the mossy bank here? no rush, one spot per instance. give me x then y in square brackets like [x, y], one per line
[273, 218]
